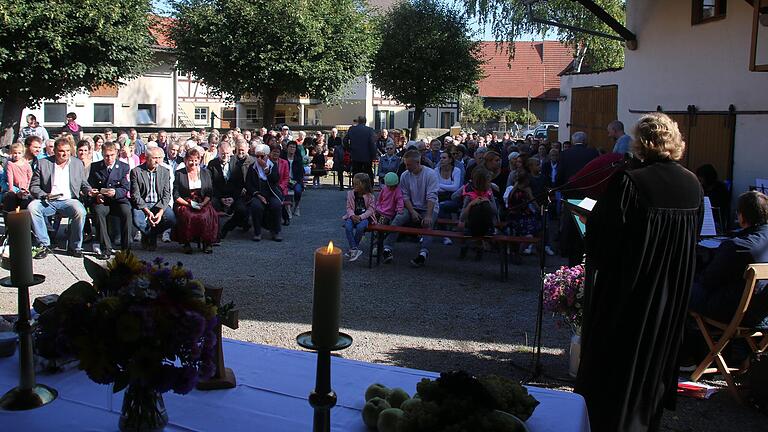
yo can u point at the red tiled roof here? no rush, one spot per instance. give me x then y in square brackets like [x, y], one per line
[534, 69]
[158, 28]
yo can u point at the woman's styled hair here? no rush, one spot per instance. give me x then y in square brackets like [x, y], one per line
[753, 207]
[481, 178]
[191, 153]
[364, 181]
[657, 137]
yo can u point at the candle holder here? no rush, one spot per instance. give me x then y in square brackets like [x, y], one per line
[323, 398]
[28, 394]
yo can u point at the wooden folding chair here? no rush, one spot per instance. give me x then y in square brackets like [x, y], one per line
[718, 334]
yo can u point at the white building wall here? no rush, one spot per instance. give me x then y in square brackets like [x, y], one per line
[677, 64]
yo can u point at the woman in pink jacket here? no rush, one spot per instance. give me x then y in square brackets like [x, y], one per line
[285, 177]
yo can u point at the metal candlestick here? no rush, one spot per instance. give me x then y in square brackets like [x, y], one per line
[27, 395]
[323, 398]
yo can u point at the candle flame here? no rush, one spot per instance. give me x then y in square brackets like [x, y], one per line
[17, 209]
[329, 249]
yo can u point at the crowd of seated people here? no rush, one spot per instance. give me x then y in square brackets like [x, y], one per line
[119, 187]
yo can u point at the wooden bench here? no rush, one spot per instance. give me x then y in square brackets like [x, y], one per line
[502, 240]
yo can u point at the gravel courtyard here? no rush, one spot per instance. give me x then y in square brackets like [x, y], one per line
[450, 314]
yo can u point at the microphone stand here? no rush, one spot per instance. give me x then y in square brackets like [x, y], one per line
[536, 368]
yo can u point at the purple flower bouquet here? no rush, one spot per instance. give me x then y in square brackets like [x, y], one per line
[564, 295]
[146, 325]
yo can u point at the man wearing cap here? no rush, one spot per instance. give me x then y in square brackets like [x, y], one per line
[362, 146]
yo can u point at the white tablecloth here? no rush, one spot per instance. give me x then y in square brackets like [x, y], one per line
[271, 395]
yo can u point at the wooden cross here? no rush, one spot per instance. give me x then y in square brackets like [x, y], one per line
[223, 378]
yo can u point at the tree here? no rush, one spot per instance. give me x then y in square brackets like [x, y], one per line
[426, 57]
[266, 48]
[509, 21]
[51, 48]
[474, 111]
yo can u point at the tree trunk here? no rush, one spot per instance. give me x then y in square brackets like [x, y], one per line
[11, 120]
[269, 100]
[418, 111]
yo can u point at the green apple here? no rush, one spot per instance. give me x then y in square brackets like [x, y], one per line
[372, 409]
[410, 404]
[376, 390]
[397, 396]
[389, 419]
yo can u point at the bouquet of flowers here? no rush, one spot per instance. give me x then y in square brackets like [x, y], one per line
[140, 323]
[564, 295]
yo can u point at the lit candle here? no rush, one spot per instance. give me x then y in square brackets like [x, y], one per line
[326, 301]
[18, 225]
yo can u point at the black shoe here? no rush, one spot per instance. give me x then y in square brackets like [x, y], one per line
[256, 238]
[419, 261]
[276, 237]
[187, 249]
[387, 255]
[207, 249]
[246, 227]
[43, 252]
[286, 222]
[77, 253]
[103, 256]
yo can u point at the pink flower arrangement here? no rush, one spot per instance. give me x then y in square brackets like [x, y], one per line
[564, 295]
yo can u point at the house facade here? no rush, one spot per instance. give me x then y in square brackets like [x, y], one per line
[693, 62]
[533, 73]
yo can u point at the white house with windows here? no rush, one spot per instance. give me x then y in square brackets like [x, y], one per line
[703, 62]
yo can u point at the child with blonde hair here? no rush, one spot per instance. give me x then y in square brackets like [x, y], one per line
[360, 213]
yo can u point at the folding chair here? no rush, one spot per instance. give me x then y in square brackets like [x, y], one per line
[718, 334]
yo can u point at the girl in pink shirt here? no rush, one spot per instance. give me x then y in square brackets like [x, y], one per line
[390, 201]
[19, 174]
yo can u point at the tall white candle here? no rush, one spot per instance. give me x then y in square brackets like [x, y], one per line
[18, 225]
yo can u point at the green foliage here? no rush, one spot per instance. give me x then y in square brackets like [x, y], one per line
[50, 48]
[271, 47]
[427, 56]
[473, 111]
[509, 21]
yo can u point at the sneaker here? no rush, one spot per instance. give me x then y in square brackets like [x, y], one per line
[137, 236]
[43, 252]
[348, 254]
[528, 250]
[387, 255]
[447, 241]
[296, 212]
[77, 253]
[256, 238]
[166, 236]
[548, 250]
[355, 254]
[277, 237]
[419, 261]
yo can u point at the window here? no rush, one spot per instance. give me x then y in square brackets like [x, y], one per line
[447, 119]
[103, 113]
[147, 114]
[280, 117]
[708, 10]
[410, 119]
[201, 113]
[54, 112]
[252, 115]
[384, 120]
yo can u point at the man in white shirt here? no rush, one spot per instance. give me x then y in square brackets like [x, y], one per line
[56, 187]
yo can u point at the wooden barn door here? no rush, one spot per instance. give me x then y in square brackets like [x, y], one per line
[592, 108]
[709, 140]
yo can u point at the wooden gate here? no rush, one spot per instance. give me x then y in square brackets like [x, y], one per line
[592, 108]
[709, 140]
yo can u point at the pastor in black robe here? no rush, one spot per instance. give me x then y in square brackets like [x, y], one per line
[641, 248]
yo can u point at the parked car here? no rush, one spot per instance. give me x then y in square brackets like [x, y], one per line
[539, 132]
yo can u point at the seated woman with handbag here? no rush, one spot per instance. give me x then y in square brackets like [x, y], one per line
[196, 218]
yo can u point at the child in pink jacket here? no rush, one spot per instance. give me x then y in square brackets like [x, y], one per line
[390, 201]
[360, 212]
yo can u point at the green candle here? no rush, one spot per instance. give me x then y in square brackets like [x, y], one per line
[326, 302]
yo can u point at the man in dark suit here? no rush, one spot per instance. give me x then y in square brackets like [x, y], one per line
[151, 197]
[56, 186]
[263, 190]
[571, 162]
[228, 173]
[362, 147]
[109, 179]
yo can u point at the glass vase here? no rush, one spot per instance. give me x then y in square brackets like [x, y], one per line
[143, 410]
[575, 355]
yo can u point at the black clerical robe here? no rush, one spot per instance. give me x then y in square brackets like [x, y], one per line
[641, 248]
